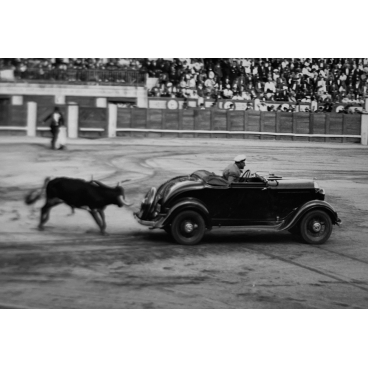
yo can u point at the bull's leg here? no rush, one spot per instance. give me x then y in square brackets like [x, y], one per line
[102, 214]
[94, 214]
[45, 214]
[45, 211]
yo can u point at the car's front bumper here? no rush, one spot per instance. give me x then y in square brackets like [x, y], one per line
[155, 224]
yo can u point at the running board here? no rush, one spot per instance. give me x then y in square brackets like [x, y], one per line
[250, 227]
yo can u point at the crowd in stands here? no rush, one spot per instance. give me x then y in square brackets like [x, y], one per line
[22, 65]
[294, 80]
[74, 69]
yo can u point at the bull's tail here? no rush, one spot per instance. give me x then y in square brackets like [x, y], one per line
[35, 194]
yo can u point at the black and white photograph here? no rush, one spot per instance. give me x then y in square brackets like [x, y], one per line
[184, 194]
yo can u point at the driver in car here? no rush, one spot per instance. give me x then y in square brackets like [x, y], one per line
[232, 172]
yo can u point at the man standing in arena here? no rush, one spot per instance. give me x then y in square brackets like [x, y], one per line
[57, 121]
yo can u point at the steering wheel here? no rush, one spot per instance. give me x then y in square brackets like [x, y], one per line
[245, 176]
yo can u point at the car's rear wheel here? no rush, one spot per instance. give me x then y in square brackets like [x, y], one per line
[316, 227]
[188, 228]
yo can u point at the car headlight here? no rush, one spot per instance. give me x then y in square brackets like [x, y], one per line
[318, 189]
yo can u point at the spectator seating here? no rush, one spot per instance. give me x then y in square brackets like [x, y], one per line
[294, 80]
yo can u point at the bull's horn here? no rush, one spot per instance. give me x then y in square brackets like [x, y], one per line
[121, 182]
[126, 203]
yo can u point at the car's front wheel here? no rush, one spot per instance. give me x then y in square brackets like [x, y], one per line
[316, 227]
[188, 228]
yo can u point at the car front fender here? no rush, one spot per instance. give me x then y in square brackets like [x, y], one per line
[293, 218]
[183, 205]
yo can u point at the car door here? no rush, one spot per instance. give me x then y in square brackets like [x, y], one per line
[220, 202]
[253, 203]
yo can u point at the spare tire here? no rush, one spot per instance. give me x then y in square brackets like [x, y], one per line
[147, 204]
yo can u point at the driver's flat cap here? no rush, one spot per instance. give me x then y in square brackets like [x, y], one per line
[240, 158]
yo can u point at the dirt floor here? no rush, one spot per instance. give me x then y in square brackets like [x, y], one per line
[70, 265]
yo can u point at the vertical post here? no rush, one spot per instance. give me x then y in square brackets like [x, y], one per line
[227, 122]
[131, 121]
[195, 121]
[245, 122]
[31, 119]
[294, 126]
[364, 130]
[327, 125]
[112, 114]
[261, 124]
[147, 121]
[344, 127]
[73, 115]
[180, 122]
[212, 119]
[277, 127]
[163, 121]
[311, 125]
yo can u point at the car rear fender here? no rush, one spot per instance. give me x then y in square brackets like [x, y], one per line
[187, 204]
[293, 218]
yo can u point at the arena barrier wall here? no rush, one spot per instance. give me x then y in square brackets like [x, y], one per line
[223, 104]
[215, 123]
[14, 119]
[111, 121]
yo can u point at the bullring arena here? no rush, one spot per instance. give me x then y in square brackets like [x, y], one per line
[116, 133]
[70, 265]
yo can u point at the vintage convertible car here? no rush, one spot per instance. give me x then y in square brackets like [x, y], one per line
[186, 206]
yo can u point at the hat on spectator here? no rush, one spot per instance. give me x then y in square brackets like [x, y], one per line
[240, 158]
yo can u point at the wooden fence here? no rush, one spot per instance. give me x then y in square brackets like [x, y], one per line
[214, 123]
[94, 122]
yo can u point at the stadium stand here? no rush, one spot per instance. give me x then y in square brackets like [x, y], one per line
[319, 82]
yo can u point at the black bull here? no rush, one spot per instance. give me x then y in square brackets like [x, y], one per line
[92, 196]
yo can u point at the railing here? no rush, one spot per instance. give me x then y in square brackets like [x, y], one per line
[81, 76]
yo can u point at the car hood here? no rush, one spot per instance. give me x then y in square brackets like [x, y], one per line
[291, 183]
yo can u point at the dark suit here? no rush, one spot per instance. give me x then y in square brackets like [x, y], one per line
[55, 125]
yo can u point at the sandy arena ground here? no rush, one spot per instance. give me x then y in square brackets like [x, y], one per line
[70, 265]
